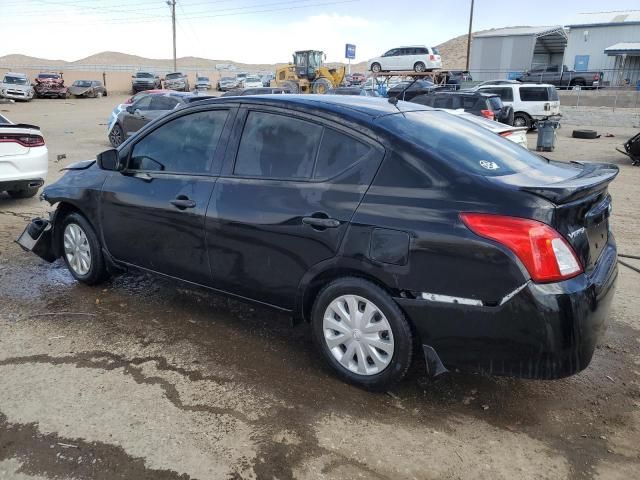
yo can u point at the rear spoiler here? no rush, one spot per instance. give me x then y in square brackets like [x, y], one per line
[593, 178]
[19, 125]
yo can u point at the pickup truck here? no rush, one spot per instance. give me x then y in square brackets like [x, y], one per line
[562, 76]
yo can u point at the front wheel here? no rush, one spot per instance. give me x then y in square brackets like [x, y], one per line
[362, 333]
[376, 68]
[116, 136]
[321, 86]
[81, 250]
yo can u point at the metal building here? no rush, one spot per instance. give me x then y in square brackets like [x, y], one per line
[606, 41]
[507, 52]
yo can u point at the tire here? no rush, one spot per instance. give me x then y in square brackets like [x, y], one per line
[321, 86]
[578, 83]
[392, 332]
[292, 86]
[23, 193]
[99, 95]
[419, 67]
[116, 136]
[81, 250]
[585, 134]
[521, 119]
[376, 68]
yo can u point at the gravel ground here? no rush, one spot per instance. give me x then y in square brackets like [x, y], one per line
[145, 379]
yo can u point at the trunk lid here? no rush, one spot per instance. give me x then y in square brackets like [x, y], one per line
[582, 205]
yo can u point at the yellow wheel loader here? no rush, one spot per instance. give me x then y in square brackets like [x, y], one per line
[307, 74]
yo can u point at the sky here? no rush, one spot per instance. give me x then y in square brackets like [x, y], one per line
[262, 31]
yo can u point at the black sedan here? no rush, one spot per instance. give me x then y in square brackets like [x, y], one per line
[383, 224]
[408, 89]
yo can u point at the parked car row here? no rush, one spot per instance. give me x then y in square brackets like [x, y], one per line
[16, 86]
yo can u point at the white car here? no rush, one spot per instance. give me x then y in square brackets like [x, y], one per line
[24, 159]
[16, 86]
[252, 81]
[530, 101]
[515, 134]
[416, 58]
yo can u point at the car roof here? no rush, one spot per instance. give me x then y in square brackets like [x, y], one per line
[351, 106]
[466, 94]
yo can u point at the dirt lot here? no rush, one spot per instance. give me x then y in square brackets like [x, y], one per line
[145, 379]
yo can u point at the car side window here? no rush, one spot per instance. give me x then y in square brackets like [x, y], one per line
[468, 103]
[390, 53]
[506, 94]
[161, 102]
[337, 153]
[277, 146]
[442, 102]
[143, 103]
[183, 145]
[534, 94]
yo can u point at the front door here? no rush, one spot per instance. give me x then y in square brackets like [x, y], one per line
[289, 188]
[152, 214]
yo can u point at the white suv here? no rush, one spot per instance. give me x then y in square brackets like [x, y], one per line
[416, 58]
[24, 159]
[530, 101]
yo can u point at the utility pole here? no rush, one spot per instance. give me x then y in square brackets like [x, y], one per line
[468, 36]
[172, 4]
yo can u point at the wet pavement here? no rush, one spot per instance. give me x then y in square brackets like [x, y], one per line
[143, 378]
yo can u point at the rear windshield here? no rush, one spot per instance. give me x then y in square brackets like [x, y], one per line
[496, 103]
[435, 51]
[538, 94]
[462, 144]
[11, 80]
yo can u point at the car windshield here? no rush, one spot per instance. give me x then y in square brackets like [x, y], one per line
[465, 146]
[82, 83]
[171, 76]
[48, 75]
[253, 79]
[203, 79]
[11, 80]
[144, 75]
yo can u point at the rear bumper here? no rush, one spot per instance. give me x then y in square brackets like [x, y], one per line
[545, 331]
[26, 167]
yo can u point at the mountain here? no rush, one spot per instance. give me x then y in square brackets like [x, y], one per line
[453, 53]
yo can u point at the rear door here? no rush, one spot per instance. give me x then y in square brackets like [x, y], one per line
[289, 187]
[152, 214]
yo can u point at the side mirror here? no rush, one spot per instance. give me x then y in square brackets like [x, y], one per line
[109, 160]
[129, 109]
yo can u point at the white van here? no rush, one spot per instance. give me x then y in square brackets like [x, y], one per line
[530, 101]
[417, 58]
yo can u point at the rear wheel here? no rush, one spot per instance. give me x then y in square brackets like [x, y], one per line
[81, 250]
[419, 67]
[579, 83]
[99, 95]
[321, 86]
[116, 136]
[521, 119]
[362, 333]
[376, 68]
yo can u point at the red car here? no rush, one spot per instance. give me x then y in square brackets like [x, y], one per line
[50, 85]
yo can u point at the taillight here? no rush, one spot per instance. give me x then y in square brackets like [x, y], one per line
[26, 140]
[488, 114]
[596, 77]
[545, 254]
[506, 134]
[432, 57]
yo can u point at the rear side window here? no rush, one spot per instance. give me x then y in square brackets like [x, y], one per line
[160, 102]
[534, 94]
[277, 146]
[505, 93]
[443, 102]
[337, 153]
[471, 103]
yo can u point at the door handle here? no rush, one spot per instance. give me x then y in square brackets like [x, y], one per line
[182, 202]
[317, 222]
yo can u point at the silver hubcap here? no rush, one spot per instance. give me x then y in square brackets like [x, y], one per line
[76, 249]
[358, 335]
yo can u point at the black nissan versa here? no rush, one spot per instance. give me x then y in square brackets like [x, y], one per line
[379, 222]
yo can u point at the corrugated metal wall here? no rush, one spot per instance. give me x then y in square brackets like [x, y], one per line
[599, 38]
[492, 57]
